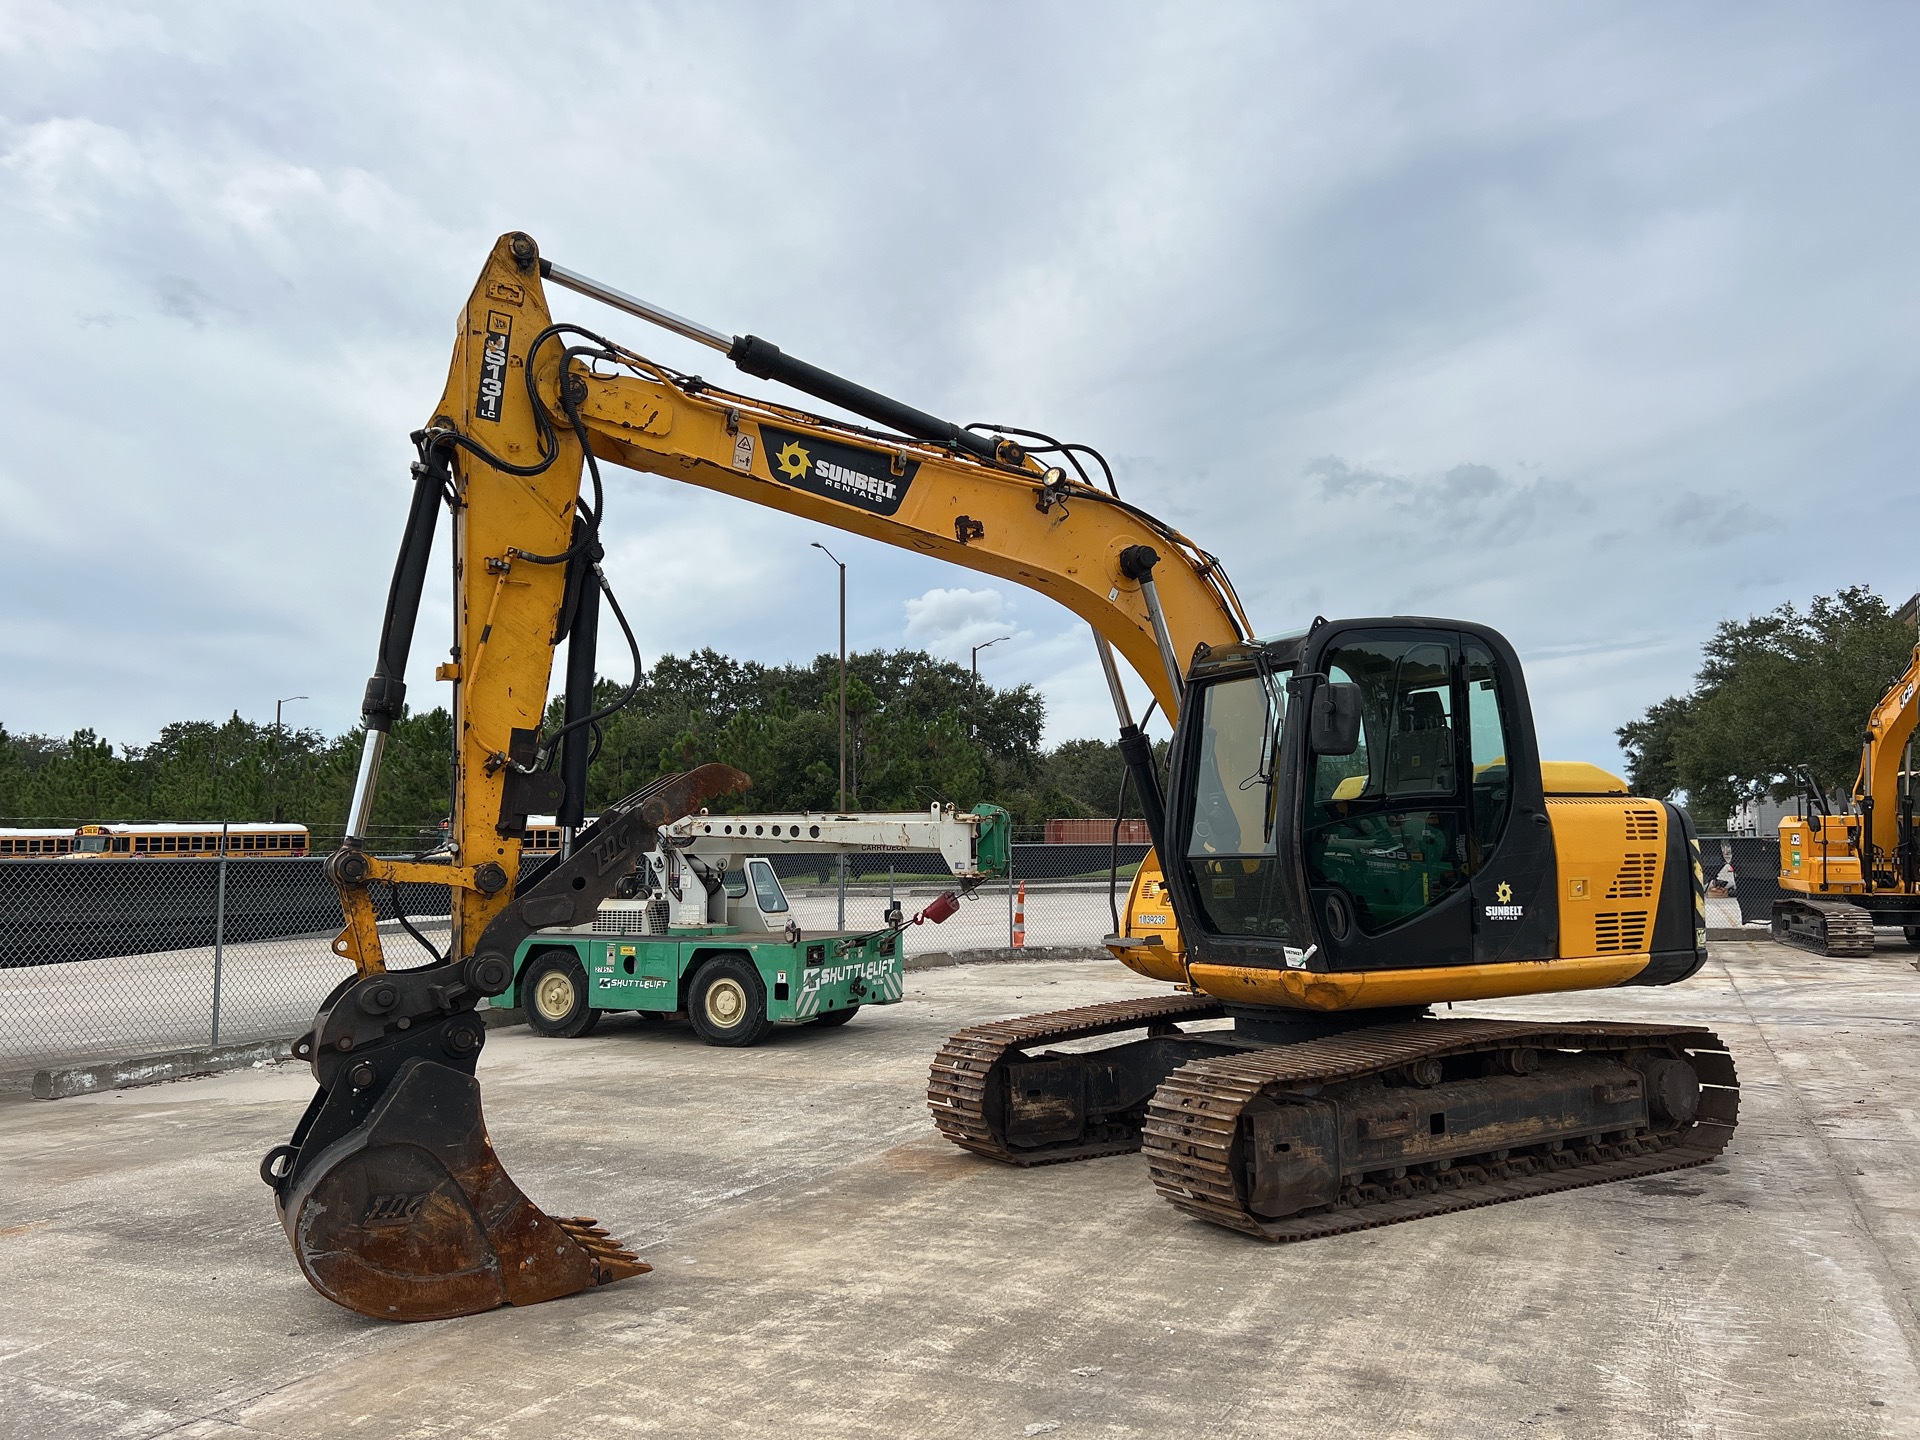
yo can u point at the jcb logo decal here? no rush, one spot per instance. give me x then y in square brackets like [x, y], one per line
[393, 1209]
[611, 851]
[493, 366]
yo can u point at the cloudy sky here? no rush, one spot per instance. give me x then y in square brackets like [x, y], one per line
[1596, 323]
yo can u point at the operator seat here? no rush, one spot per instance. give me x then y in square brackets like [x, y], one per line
[1420, 754]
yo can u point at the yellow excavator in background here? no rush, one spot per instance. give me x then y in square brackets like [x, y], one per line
[1840, 875]
[1355, 826]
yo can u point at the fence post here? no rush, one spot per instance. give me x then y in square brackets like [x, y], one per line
[219, 933]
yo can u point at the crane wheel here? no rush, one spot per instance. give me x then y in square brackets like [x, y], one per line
[831, 1019]
[1912, 932]
[553, 988]
[728, 1002]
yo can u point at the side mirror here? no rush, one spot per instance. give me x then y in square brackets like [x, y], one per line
[1335, 727]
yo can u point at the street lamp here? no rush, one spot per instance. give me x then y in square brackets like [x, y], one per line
[279, 736]
[973, 695]
[843, 715]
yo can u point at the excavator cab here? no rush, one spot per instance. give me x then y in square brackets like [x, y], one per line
[1360, 797]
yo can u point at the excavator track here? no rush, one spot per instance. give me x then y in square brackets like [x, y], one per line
[960, 1087]
[1204, 1118]
[1825, 927]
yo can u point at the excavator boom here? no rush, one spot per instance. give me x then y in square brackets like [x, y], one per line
[389, 1190]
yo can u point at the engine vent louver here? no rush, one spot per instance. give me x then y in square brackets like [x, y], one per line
[648, 919]
[1637, 877]
[1642, 825]
[1620, 932]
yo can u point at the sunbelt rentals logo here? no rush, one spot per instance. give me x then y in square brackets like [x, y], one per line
[1506, 909]
[871, 480]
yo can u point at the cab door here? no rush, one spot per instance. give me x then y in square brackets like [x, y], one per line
[1385, 830]
[1510, 854]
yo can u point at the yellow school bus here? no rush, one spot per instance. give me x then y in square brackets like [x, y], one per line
[27, 843]
[248, 840]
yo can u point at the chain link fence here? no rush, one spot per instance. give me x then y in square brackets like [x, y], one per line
[1743, 877]
[102, 958]
[105, 958]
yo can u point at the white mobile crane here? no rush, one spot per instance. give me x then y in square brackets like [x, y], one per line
[702, 927]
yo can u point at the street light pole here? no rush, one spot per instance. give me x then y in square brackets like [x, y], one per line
[843, 716]
[279, 734]
[973, 693]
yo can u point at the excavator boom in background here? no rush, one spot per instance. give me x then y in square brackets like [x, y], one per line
[1355, 825]
[1842, 874]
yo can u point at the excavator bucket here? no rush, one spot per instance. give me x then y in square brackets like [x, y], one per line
[390, 1191]
[412, 1217]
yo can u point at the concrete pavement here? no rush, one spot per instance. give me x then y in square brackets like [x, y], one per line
[826, 1265]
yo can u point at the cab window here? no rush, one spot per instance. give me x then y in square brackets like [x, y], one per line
[1236, 874]
[1487, 741]
[766, 888]
[1233, 790]
[1342, 777]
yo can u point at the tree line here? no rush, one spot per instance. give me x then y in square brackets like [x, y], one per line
[919, 731]
[1774, 692]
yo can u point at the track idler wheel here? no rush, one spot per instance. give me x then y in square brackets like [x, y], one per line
[411, 1217]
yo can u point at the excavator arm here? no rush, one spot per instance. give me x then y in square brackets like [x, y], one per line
[389, 1189]
[525, 395]
[1886, 828]
[1005, 515]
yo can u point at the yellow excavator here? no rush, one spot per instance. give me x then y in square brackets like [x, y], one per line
[1841, 874]
[1355, 826]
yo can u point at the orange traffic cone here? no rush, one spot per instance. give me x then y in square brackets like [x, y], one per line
[1020, 917]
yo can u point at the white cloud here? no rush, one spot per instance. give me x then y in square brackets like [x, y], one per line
[948, 622]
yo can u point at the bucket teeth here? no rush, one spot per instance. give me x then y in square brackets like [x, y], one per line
[611, 1260]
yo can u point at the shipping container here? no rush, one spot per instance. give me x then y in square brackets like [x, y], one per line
[1096, 832]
